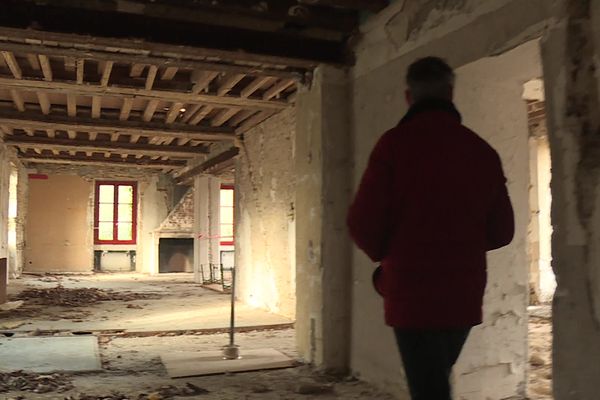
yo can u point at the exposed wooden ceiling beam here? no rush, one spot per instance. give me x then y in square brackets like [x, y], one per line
[174, 112]
[44, 102]
[13, 65]
[80, 70]
[202, 80]
[210, 163]
[200, 115]
[241, 117]
[224, 116]
[169, 73]
[106, 161]
[17, 99]
[34, 62]
[257, 64]
[150, 129]
[277, 89]
[255, 85]
[228, 82]
[254, 120]
[46, 68]
[71, 105]
[189, 112]
[126, 108]
[164, 95]
[96, 106]
[106, 70]
[106, 146]
[150, 110]
[136, 70]
[151, 77]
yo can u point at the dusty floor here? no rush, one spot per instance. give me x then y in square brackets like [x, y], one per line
[150, 303]
[540, 354]
[132, 367]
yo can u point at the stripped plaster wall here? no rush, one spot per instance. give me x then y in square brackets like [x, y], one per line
[265, 196]
[571, 58]
[155, 200]
[462, 32]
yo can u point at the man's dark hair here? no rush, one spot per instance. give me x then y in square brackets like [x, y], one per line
[430, 77]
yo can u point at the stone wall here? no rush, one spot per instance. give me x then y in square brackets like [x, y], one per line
[265, 216]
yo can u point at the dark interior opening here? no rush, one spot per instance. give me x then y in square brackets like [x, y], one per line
[175, 255]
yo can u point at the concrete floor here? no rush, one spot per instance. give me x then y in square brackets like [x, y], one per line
[183, 306]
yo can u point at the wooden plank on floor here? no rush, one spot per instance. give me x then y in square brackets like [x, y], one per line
[189, 363]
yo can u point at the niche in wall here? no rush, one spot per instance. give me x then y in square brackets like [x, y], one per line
[176, 255]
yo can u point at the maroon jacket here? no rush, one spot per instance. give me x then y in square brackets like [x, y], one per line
[432, 201]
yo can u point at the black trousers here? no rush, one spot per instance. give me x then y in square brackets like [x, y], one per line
[428, 358]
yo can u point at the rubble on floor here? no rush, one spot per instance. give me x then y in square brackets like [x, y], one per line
[37, 383]
[540, 354]
[164, 393]
[79, 297]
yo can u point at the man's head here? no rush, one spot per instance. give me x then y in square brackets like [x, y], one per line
[429, 77]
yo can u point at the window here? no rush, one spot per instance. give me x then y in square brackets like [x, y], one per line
[226, 213]
[115, 213]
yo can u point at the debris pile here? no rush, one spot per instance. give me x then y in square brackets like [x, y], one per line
[164, 393]
[36, 383]
[80, 297]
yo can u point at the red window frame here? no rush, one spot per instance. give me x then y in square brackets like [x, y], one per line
[115, 239]
[229, 242]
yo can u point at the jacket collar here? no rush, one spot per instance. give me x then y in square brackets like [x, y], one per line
[431, 105]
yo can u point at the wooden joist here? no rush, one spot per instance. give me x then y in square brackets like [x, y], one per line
[228, 82]
[255, 85]
[224, 116]
[126, 108]
[105, 146]
[244, 62]
[150, 110]
[44, 102]
[169, 73]
[149, 129]
[80, 70]
[202, 80]
[96, 106]
[46, 69]
[368, 5]
[168, 96]
[174, 112]
[106, 70]
[277, 89]
[151, 77]
[210, 163]
[13, 65]
[104, 161]
[17, 100]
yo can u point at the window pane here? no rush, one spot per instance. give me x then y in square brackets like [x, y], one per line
[125, 212]
[126, 194]
[226, 231]
[105, 212]
[105, 231]
[125, 231]
[226, 215]
[107, 194]
[227, 197]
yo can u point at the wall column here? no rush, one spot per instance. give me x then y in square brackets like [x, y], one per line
[323, 261]
[201, 226]
[570, 54]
